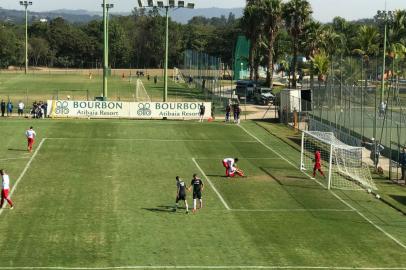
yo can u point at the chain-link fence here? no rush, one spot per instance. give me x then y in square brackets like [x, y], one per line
[352, 101]
[206, 72]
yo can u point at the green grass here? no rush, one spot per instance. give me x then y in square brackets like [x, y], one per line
[44, 86]
[98, 194]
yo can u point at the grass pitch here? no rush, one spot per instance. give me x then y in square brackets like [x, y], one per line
[98, 194]
[43, 86]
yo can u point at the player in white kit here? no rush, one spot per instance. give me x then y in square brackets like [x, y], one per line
[6, 189]
[30, 133]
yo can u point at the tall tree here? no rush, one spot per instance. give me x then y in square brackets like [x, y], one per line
[296, 14]
[251, 23]
[272, 15]
[311, 44]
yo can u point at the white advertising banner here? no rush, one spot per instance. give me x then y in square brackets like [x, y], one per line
[136, 110]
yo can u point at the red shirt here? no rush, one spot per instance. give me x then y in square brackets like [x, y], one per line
[317, 157]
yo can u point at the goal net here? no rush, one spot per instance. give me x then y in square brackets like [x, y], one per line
[341, 163]
[141, 93]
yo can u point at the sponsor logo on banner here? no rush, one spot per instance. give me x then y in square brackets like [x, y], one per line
[144, 109]
[112, 109]
[62, 107]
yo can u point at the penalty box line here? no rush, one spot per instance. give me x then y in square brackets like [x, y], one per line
[211, 184]
[27, 166]
[150, 140]
[332, 192]
[260, 210]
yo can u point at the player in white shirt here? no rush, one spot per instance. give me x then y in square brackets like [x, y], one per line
[21, 108]
[229, 163]
[30, 133]
[6, 189]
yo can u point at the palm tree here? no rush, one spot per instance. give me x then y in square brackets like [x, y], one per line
[296, 14]
[251, 23]
[367, 41]
[321, 65]
[367, 44]
[272, 15]
[311, 44]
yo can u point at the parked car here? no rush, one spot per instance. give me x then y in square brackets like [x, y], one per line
[263, 95]
[245, 89]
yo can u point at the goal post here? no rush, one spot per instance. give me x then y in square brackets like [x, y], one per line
[141, 93]
[342, 164]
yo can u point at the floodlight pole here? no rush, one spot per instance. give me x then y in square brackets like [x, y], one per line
[165, 98]
[26, 39]
[384, 61]
[105, 50]
[26, 4]
[170, 4]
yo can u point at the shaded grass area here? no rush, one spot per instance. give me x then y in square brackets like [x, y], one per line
[99, 194]
[393, 193]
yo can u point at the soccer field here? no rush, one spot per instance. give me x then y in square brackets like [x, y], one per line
[77, 85]
[99, 194]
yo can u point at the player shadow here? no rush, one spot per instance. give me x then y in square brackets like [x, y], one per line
[17, 150]
[216, 175]
[284, 183]
[400, 199]
[163, 209]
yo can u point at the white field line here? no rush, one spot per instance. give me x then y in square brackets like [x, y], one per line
[240, 158]
[150, 140]
[6, 159]
[332, 192]
[212, 186]
[206, 267]
[292, 210]
[24, 171]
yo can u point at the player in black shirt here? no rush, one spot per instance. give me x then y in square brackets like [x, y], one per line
[197, 185]
[202, 111]
[181, 194]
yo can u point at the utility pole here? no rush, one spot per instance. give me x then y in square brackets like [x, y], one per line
[26, 4]
[165, 98]
[170, 4]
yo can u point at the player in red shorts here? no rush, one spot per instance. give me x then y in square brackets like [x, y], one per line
[30, 133]
[317, 163]
[229, 163]
[234, 170]
[6, 189]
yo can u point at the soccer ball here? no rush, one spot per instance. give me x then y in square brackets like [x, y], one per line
[369, 190]
[377, 196]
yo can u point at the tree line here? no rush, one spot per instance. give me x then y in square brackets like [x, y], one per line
[135, 41]
[279, 32]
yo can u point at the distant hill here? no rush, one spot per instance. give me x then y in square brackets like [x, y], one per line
[184, 15]
[18, 16]
[84, 16]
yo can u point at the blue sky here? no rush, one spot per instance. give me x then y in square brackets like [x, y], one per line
[324, 10]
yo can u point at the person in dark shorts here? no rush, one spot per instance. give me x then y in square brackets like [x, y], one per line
[228, 111]
[3, 108]
[202, 111]
[181, 194]
[197, 185]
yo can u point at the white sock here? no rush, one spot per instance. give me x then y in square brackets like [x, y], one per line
[201, 203]
[187, 206]
[194, 204]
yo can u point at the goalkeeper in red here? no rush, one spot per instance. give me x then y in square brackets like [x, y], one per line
[317, 163]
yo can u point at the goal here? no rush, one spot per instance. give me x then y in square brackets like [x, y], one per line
[342, 164]
[141, 93]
